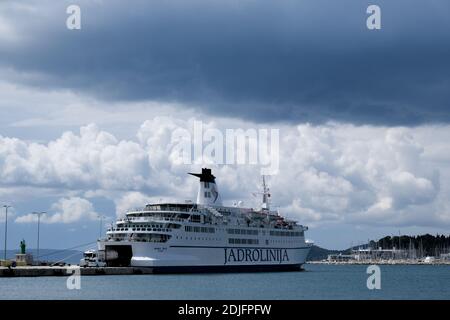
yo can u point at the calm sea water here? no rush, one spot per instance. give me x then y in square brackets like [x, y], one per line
[317, 282]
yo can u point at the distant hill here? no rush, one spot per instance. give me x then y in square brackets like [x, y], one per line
[317, 253]
[425, 244]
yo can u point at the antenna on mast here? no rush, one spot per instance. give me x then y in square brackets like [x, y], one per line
[266, 195]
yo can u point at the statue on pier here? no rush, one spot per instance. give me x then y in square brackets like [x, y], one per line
[22, 246]
[22, 258]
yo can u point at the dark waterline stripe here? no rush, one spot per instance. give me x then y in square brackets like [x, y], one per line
[211, 247]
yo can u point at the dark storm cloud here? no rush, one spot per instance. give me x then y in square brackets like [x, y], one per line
[260, 60]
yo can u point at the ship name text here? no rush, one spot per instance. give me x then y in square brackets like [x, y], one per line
[255, 255]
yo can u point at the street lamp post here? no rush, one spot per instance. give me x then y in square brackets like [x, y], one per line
[6, 228]
[39, 221]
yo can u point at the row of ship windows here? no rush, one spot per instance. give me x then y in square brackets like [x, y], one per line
[195, 238]
[286, 233]
[199, 229]
[272, 233]
[140, 226]
[243, 231]
[239, 241]
[285, 241]
[243, 241]
[208, 230]
[142, 229]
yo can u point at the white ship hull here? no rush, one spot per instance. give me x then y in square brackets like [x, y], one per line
[185, 258]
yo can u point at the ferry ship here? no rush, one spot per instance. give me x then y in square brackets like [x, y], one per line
[206, 236]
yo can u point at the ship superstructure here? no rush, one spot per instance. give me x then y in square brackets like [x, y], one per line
[206, 236]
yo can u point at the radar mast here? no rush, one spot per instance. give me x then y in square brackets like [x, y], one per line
[266, 195]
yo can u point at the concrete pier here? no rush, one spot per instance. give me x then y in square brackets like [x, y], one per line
[47, 271]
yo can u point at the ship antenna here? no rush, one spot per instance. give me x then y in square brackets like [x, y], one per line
[266, 195]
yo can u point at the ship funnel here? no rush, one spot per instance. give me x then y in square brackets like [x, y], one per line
[208, 194]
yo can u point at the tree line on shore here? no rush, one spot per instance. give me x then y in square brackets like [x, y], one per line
[426, 244]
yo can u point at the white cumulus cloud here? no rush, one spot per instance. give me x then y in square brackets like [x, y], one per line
[328, 173]
[66, 210]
